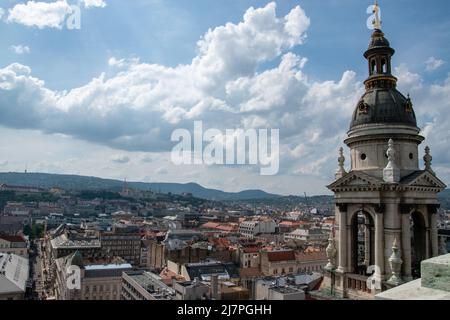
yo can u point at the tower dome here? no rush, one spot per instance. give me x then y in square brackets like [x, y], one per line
[382, 103]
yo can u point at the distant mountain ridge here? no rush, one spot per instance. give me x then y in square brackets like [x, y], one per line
[77, 182]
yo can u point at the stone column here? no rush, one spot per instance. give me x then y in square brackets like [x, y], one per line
[434, 235]
[379, 242]
[350, 249]
[342, 239]
[406, 246]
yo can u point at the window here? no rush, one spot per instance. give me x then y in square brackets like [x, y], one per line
[383, 65]
[363, 156]
[411, 156]
[373, 67]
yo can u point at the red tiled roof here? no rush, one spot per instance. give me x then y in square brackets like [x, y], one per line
[290, 223]
[274, 256]
[209, 225]
[311, 256]
[250, 249]
[12, 238]
[219, 242]
[225, 227]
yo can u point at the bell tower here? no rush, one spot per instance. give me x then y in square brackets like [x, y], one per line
[385, 205]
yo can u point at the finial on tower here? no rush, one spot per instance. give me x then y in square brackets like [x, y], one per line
[376, 21]
[341, 160]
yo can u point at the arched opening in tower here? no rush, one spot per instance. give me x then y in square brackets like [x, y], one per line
[363, 237]
[418, 242]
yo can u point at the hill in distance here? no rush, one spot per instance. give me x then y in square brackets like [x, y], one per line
[76, 182]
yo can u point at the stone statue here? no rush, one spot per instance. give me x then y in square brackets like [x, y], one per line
[331, 253]
[391, 173]
[377, 21]
[427, 158]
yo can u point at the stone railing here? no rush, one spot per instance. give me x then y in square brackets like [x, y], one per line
[358, 283]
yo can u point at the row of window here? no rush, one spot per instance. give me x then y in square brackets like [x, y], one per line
[111, 287]
[299, 270]
[363, 156]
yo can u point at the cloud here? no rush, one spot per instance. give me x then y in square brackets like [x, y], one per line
[2, 12]
[407, 80]
[120, 159]
[121, 63]
[155, 99]
[432, 63]
[46, 14]
[138, 105]
[147, 159]
[162, 171]
[20, 49]
[94, 4]
[40, 14]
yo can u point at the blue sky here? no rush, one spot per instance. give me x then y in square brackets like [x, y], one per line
[165, 33]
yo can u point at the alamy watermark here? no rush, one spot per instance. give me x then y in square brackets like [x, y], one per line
[73, 20]
[73, 279]
[374, 21]
[374, 281]
[231, 147]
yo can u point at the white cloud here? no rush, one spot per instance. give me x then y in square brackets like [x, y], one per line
[46, 14]
[137, 107]
[94, 3]
[2, 12]
[20, 49]
[40, 14]
[432, 63]
[407, 80]
[162, 171]
[154, 98]
[120, 159]
[121, 63]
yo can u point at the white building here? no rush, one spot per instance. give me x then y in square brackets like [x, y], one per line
[251, 229]
[14, 271]
[97, 281]
[307, 235]
[14, 245]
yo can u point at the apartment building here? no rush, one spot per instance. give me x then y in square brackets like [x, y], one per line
[98, 280]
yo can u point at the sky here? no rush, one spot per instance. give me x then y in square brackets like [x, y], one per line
[104, 98]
